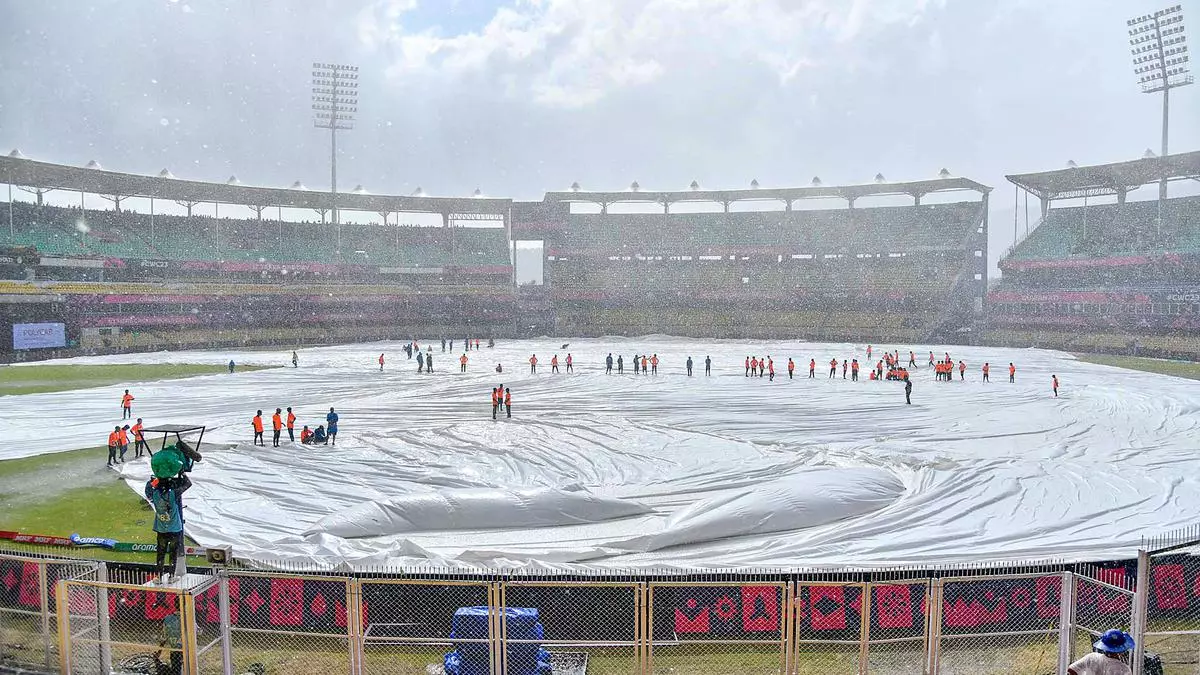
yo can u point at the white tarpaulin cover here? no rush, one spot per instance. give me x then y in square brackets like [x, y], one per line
[629, 472]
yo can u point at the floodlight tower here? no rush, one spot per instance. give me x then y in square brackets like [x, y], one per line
[334, 103]
[1159, 47]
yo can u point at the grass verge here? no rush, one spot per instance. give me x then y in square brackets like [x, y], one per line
[1185, 369]
[40, 379]
[72, 492]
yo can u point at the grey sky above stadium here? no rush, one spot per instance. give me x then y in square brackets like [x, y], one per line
[517, 98]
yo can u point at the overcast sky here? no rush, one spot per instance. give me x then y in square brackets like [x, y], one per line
[517, 98]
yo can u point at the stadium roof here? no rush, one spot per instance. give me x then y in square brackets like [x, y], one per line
[848, 192]
[1108, 179]
[30, 173]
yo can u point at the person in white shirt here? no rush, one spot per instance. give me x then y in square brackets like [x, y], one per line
[1107, 659]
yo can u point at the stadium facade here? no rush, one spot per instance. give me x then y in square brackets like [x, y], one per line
[1118, 276]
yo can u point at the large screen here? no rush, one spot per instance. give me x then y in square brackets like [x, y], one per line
[39, 335]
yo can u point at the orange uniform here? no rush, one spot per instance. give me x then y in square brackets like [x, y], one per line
[291, 419]
[127, 401]
[114, 439]
[258, 424]
[137, 432]
[276, 422]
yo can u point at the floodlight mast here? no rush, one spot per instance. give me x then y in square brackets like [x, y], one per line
[334, 104]
[1158, 44]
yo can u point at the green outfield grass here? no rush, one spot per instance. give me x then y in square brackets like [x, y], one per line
[1186, 369]
[41, 379]
[72, 493]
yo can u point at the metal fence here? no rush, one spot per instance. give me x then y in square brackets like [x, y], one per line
[83, 616]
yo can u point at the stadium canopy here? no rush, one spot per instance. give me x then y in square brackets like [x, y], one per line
[1107, 179]
[47, 176]
[850, 193]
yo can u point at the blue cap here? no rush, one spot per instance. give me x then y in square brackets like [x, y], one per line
[1114, 641]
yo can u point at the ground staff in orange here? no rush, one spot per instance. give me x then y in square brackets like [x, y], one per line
[1012, 373]
[114, 442]
[791, 367]
[126, 405]
[276, 427]
[291, 425]
[986, 369]
[833, 369]
[123, 441]
[508, 401]
[462, 363]
[258, 429]
[139, 441]
[533, 365]
[495, 401]
[812, 368]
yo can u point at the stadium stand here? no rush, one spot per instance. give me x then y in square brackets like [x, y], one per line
[1118, 277]
[908, 272]
[123, 280]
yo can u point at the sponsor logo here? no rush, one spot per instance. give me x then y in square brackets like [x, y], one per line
[155, 263]
[1184, 297]
[92, 541]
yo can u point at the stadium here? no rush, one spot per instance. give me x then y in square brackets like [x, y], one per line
[665, 491]
[765, 429]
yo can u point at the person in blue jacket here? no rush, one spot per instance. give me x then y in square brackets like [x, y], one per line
[331, 422]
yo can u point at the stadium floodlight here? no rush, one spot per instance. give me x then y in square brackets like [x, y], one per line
[879, 178]
[233, 180]
[298, 186]
[944, 173]
[634, 187]
[575, 187]
[1158, 44]
[334, 104]
[165, 173]
[93, 164]
[816, 181]
[1148, 154]
[1071, 164]
[478, 194]
[17, 154]
[694, 186]
[359, 189]
[754, 184]
[418, 192]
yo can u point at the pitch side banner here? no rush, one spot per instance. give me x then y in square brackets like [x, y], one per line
[39, 335]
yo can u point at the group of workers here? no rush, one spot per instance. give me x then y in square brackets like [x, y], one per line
[501, 396]
[324, 434]
[118, 442]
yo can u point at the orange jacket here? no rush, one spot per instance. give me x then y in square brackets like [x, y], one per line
[654, 360]
[122, 437]
[276, 422]
[495, 397]
[508, 398]
[533, 360]
[381, 359]
[833, 363]
[812, 364]
[257, 422]
[1012, 370]
[962, 367]
[463, 359]
[137, 432]
[291, 420]
[645, 362]
[791, 366]
[854, 366]
[113, 439]
[554, 360]
[985, 369]
[127, 400]
[754, 363]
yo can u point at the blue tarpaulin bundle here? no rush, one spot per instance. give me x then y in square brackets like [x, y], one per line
[472, 658]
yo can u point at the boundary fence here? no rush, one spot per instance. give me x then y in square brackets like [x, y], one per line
[84, 616]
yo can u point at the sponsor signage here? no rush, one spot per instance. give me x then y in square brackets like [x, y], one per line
[39, 335]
